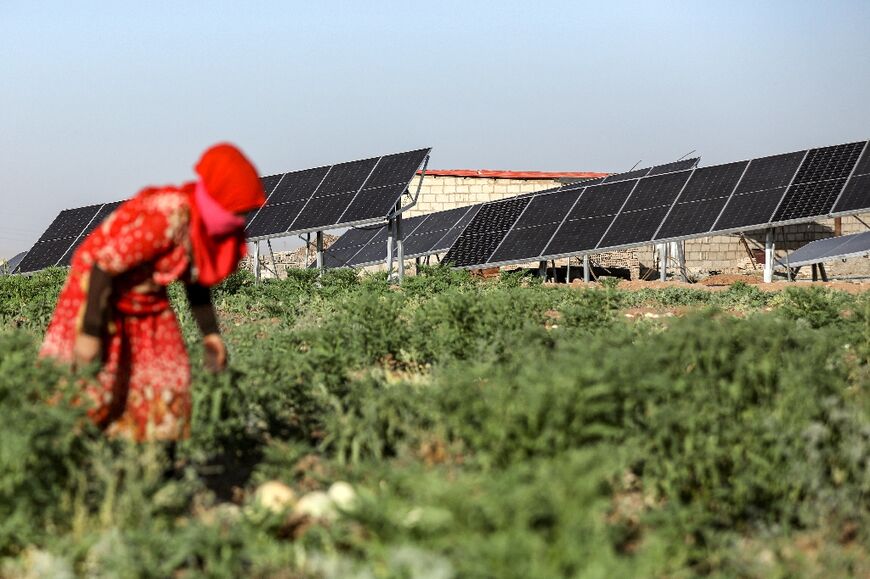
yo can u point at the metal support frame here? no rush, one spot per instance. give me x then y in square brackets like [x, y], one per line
[319, 242]
[663, 260]
[542, 269]
[680, 247]
[391, 240]
[587, 275]
[769, 254]
[568, 271]
[400, 249]
[307, 249]
[274, 261]
[256, 262]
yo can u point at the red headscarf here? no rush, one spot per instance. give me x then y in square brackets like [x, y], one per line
[231, 180]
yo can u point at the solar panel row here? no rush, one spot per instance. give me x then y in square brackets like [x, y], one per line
[334, 196]
[424, 235]
[299, 201]
[628, 210]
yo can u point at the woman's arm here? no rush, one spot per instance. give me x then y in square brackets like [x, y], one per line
[89, 341]
[203, 312]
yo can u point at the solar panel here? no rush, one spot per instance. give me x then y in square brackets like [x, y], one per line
[485, 232]
[819, 181]
[634, 227]
[770, 172]
[856, 193]
[360, 191]
[446, 242]
[855, 196]
[578, 235]
[702, 200]
[828, 249]
[101, 216]
[749, 210]
[345, 247]
[681, 165]
[656, 191]
[57, 239]
[524, 243]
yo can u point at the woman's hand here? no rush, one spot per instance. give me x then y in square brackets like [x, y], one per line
[86, 349]
[215, 353]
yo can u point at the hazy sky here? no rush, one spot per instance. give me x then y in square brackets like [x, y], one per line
[101, 98]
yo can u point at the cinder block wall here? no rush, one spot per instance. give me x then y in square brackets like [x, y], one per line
[440, 193]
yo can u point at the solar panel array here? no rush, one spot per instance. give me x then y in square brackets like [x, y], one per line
[333, 196]
[423, 235]
[454, 220]
[668, 203]
[63, 236]
[299, 201]
[831, 248]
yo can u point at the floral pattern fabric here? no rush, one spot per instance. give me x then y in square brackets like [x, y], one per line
[143, 387]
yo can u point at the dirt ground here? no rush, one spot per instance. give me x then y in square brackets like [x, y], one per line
[722, 282]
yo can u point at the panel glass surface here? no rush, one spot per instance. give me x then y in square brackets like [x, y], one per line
[863, 166]
[548, 208]
[297, 186]
[453, 234]
[829, 163]
[809, 200]
[44, 254]
[750, 209]
[273, 219]
[470, 250]
[373, 203]
[268, 183]
[601, 200]
[496, 216]
[855, 196]
[346, 177]
[526, 243]
[634, 227]
[374, 251]
[398, 168]
[712, 182]
[815, 251]
[656, 191]
[578, 235]
[70, 223]
[691, 218]
[321, 211]
[858, 243]
[770, 172]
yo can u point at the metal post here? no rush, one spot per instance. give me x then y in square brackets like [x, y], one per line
[769, 249]
[307, 249]
[417, 264]
[681, 259]
[257, 262]
[587, 275]
[815, 272]
[568, 271]
[663, 261]
[400, 249]
[274, 261]
[822, 272]
[542, 270]
[319, 242]
[391, 238]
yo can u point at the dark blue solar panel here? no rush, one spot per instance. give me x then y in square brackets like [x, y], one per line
[601, 200]
[712, 182]
[750, 209]
[656, 191]
[297, 186]
[691, 218]
[855, 196]
[634, 227]
[549, 208]
[346, 177]
[373, 203]
[770, 172]
[526, 243]
[578, 235]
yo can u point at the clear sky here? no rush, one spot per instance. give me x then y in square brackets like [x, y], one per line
[101, 98]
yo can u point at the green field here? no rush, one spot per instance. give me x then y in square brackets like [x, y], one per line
[488, 428]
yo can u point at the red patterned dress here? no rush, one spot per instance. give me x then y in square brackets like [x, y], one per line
[143, 388]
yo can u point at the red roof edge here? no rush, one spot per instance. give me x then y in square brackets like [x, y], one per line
[489, 174]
